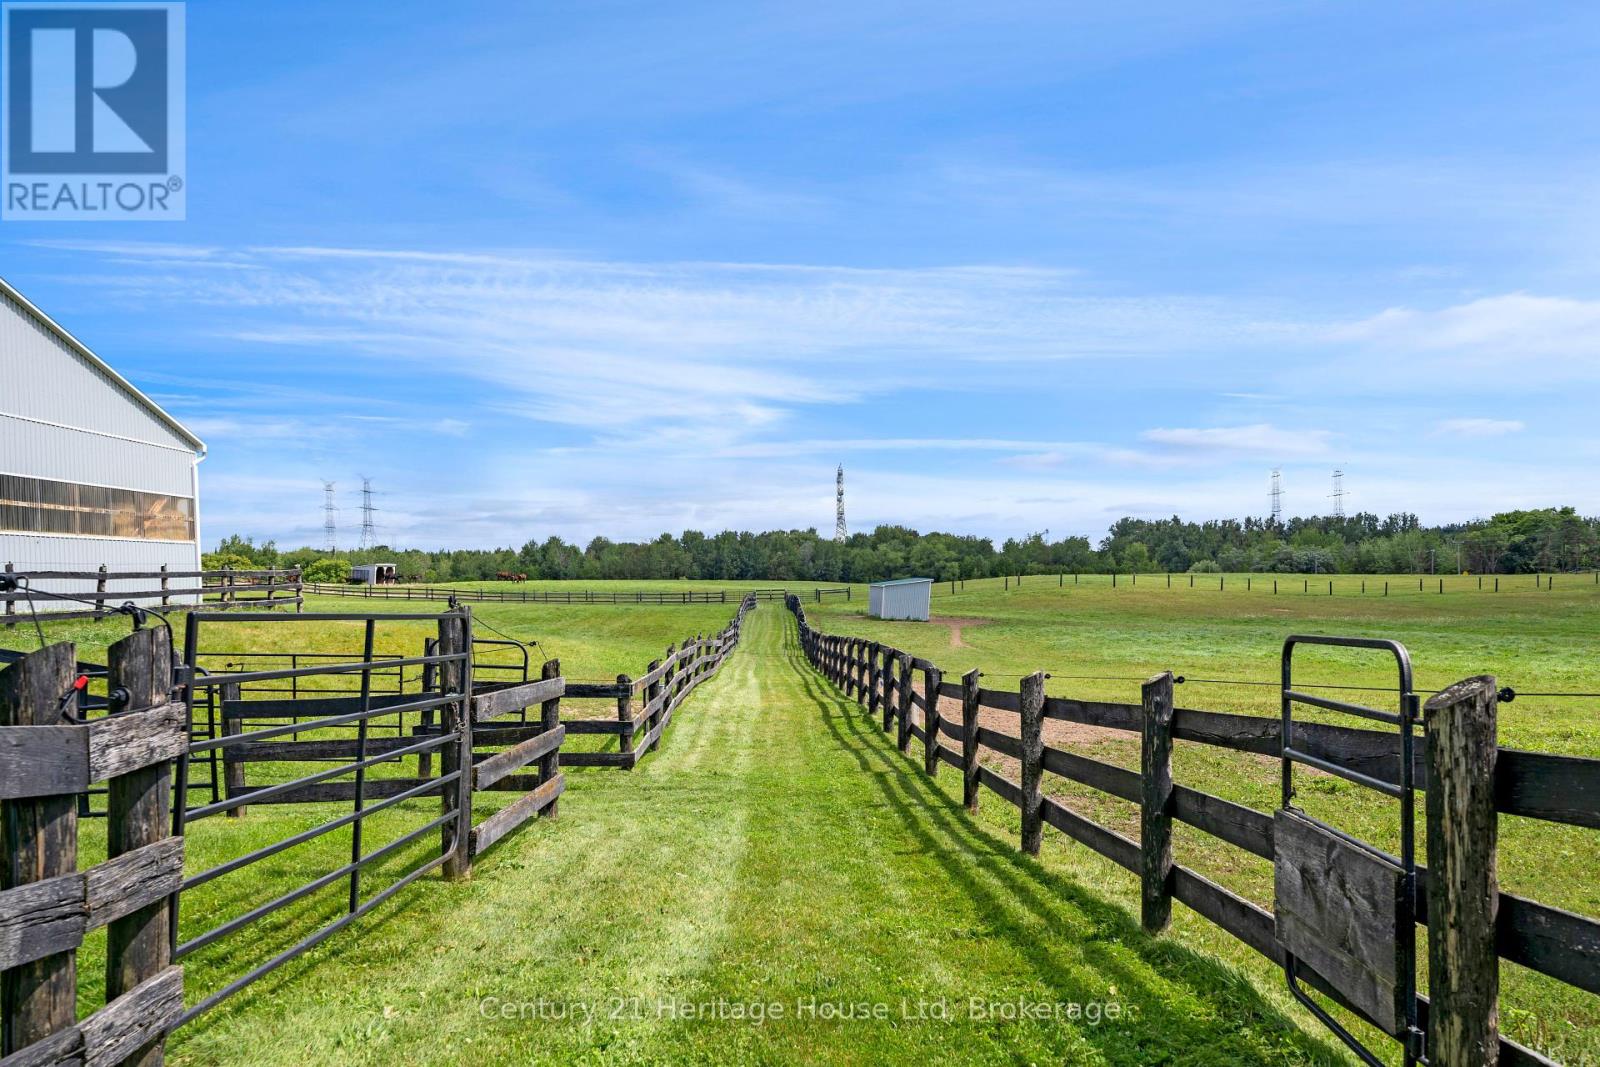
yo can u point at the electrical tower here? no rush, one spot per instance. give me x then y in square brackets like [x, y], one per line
[330, 529]
[369, 529]
[838, 509]
[1277, 495]
[1338, 493]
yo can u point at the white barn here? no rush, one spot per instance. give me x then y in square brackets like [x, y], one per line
[92, 471]
[903, 598]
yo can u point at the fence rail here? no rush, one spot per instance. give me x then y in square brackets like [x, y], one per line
[329, 736]
[645, 704]
[98, 593]
[1561, 789]
[544, 596]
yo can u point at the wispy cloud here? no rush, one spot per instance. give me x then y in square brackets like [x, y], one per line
[1259, 439]
[1478, 427]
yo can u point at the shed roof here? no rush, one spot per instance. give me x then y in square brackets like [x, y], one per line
[83, 350]
[903, 581]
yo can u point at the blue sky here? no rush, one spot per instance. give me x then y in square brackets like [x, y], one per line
[619, 268]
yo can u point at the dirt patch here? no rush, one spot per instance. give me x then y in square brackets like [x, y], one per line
[1105, 744]
[955, 626]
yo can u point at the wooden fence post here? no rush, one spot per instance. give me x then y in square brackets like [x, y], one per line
[625, 715]
[165, 599]
[969, 740]
[39, 841]
[550, 719]
[903, 736]
[1463, 882]
[930, 720]
[874, 678]
[11, 605]
[891, 665]
[100, 593]
[651, 694]
[1032, 707]
[232, 766]
[454, 638]
[138, 814]
[1155, 807]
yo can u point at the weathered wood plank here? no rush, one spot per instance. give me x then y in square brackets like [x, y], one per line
[497, 766]
[1541, 785]
[516, 813]
[40, 918]
[123, 884]
[1008, 790]
[1236, 824]
[1106, 777]
[37, 761]
[1559, 943]
[1096, 713]
[133, 1020]
[498, 702]
[1337, 907]
[1123, 851]
[64, 1048]
[999, 742]
[130, 741]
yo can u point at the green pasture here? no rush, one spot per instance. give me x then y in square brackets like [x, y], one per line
[1099, 642]
[777, 850]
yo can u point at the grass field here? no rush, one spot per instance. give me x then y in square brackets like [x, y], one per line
[1099, 642]
[776, 849]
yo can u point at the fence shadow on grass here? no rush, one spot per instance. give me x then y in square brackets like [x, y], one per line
[1019, 896]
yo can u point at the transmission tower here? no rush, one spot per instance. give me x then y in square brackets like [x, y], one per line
[1277, 495]
[369, 529]
[838, 510]
[330, 528]
[1338, 493]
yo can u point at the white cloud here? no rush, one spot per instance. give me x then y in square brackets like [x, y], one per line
[1478, 427]
[1258, 439]
[1502, 332]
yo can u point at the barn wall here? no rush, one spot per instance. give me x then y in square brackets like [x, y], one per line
[48, 379]
[39, 450]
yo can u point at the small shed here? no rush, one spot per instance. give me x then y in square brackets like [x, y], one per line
[372, 574]
[903, 598]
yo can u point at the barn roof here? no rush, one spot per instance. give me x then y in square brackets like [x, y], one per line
[83, 350]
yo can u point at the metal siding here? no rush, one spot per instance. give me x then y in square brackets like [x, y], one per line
[908, 601]
[40, 451]
[875, 601]
[45, 552]
[46, 378]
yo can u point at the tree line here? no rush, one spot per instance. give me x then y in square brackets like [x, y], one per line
[1513, 542]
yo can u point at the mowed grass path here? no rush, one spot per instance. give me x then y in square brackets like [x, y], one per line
[776, 852]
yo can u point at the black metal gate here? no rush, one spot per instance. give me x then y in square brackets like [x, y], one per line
[1345, 909]
[332, 714]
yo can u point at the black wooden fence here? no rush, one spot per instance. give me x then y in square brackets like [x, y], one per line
[1561, 789]
[467, 594]
[645, 704]
[98, 593]
[323, 734]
